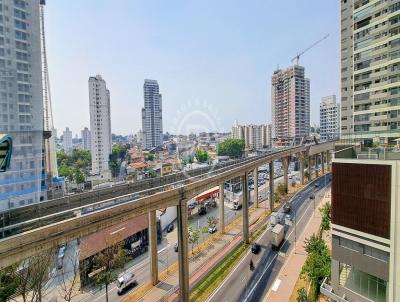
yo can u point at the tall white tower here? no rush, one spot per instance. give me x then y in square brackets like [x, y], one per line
[100, 126]
[86, 140]
[152, 115]
[67, 140]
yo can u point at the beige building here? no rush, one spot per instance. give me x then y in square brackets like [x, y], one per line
[255, 136]
[290, 106]
[370, 70]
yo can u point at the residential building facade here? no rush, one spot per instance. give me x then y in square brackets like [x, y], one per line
[365, 230]
[152, 115]
[67, 140]
[86, 139]
[21, 102]
[329, 113]
[290, 102]
[100, 126]
[370, 70]
[255, 136]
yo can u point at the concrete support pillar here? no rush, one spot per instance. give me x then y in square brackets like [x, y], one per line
[221, 208]
[153, 247]
[301, 160]
[323, 162]
[245, 194]
[327, 161]
[309, 168]
[255, 178]
[271, 186]
[285, 165]
[316, 165]
[183, 261]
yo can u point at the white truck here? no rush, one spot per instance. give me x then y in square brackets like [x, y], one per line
[277, 234]
[126, 281]
[275, 219]
[237, 203]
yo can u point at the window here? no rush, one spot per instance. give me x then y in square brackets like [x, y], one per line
[362, 283]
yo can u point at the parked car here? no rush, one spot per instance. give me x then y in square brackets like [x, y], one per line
[125, 282]
[212, 230]
[191, 206]
[255, 248]
[170, 228]
[202, 211]
[286, 208]
[176, 247]
[60, 257]
[288, 218]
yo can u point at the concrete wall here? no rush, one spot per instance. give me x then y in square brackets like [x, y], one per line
[360, 261]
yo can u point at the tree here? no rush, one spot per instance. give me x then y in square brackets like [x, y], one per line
[212, 221]
[8, 282]
[194, 236]
[118, 154]
[282, 189]
[150, 157]
[317, 265]
[79, 177]
[69, 287]
[201, 155]
[34, 275]
[231, 147]
[326, 217]
[106, 261]
[302, 295]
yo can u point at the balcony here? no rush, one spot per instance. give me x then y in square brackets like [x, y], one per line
[327, 290]
[381, 117]
[378, 128]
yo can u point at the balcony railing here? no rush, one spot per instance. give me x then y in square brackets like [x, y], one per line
[327, 290]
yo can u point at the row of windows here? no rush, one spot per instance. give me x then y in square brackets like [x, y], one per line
[364, 249]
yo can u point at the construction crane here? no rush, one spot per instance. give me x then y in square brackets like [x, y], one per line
[48, 126]
[297, 57]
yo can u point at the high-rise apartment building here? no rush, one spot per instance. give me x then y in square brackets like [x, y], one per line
[152, 115]
[370, 70]
[290, 106]
[21, 101]
[255, 136]
[67, 140]
[100, 126]
[86, 140]
[329, 113]
[365, 228]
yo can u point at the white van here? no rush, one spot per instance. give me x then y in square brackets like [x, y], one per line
[125, 282]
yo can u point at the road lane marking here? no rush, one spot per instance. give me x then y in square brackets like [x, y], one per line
[276, 284]
[233, 271]
[286, 240]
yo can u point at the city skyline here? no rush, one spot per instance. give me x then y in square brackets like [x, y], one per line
[186, 65]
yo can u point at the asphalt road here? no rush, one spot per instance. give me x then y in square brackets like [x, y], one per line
[140, 267]
[249, 286]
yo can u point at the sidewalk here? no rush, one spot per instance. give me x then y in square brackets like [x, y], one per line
[199, 263]
[282, 288]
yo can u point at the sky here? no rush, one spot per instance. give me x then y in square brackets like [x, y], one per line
[213, 60]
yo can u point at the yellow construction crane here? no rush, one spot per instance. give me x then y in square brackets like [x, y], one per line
[297, 57]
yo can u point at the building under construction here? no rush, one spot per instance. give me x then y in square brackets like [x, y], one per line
[290, 106]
